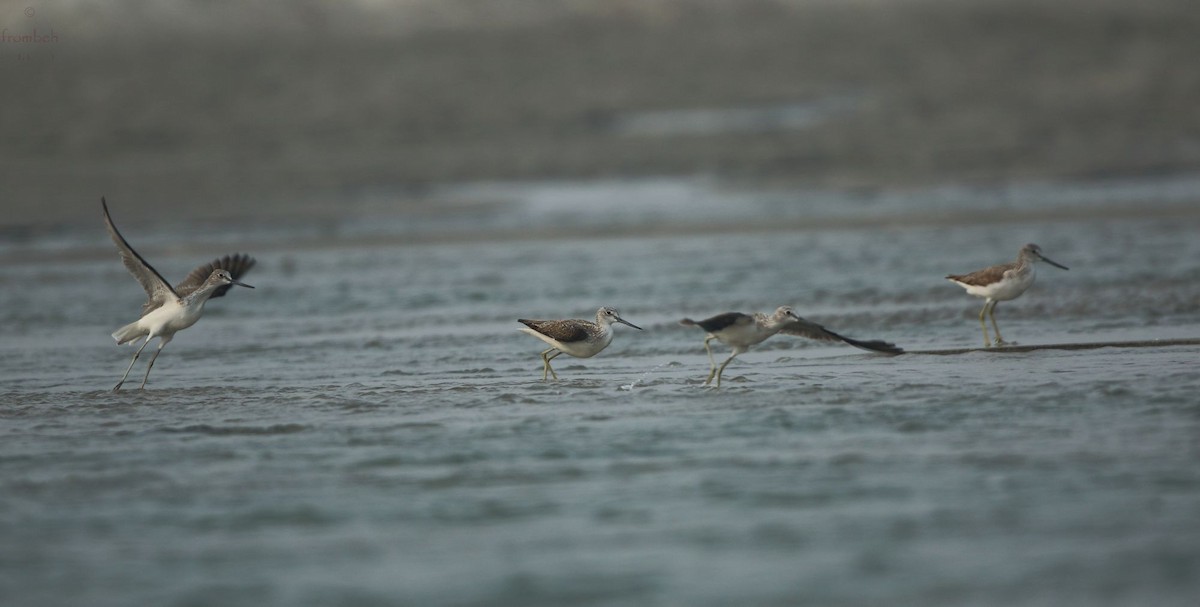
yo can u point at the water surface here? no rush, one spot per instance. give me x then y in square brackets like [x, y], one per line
[369, 427]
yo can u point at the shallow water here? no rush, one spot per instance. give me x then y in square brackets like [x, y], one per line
[368, 426]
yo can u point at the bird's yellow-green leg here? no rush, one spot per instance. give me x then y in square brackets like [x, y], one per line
[712, 363]
[982, 323]
[722, 368]
[546, 368]
[999, 340]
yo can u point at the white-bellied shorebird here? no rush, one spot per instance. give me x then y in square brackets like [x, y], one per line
[170, 309]
[579, 338]
[1001, 283]
[744, 330]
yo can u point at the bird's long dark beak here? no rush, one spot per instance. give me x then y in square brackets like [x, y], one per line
[240, 284]
[626, 322]
[1052, 262]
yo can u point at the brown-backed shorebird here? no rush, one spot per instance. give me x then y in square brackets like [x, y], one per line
[1002, 283]
[171, 309]
[579, 338]
[744, 330]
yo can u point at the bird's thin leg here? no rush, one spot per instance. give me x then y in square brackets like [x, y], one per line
[999, 340]
[723, 365]
[982, 323]
[151, 365]
[546, 364]
[546, 368]
[712, 363]
[135, 357]
[552, 357]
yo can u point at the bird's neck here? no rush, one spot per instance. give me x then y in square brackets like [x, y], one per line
[199, 296]
[769, 324]
[606, 334]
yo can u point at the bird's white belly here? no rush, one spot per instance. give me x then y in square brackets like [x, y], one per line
[586, 349]
[1011, 287]
[170, 318]
[578, 349]
[742, 335]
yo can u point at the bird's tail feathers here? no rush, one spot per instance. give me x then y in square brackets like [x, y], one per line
[687, 322]
[127, 333]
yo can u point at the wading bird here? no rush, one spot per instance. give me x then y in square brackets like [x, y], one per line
[1001, 283]
[170, 309]
[741, 331]
[579, 338]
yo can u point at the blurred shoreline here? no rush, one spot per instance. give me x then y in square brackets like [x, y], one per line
[281, 110]
[648, 208]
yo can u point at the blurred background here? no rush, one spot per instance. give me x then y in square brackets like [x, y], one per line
[305, 108]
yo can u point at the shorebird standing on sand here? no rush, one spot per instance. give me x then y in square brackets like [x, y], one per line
[1001, 283]
[579, 338]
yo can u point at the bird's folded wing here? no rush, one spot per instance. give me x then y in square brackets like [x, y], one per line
[984, 277]
[565, 331]
[724, 321]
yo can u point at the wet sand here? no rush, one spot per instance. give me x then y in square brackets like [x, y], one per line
[1023, 348]
[368, 426]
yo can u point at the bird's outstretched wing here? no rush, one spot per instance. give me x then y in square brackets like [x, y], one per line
[156, 287]
[236, 264]
[565, 331]
[811, 330]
